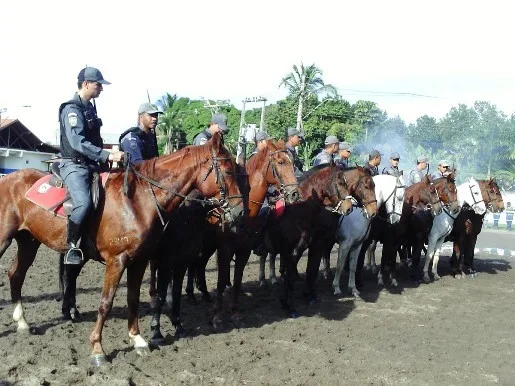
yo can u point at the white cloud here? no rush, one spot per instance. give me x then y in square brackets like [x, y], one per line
[458, 51]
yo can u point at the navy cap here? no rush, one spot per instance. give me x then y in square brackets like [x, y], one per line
[422, 158]
[374, 154]
[395, 155]
[220, 120]
[331, 140]
[261, 136]
[345, 146]
[91, 74]
[148, 108]
[293, 131]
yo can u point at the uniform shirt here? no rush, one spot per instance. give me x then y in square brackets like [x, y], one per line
[342, 163]
[393, 171]
[80, 137]
[298, 166]
[415, 176]
[322, 158]
[140, 145]
[202, 137]
[374, 170]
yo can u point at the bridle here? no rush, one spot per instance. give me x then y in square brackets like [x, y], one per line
[341, 199]
[430, 204]
[358, 201]
[490, 201]
[222, 207]
[398, 185]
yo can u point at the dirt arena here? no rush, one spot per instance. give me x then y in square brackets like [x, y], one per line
[452, 332]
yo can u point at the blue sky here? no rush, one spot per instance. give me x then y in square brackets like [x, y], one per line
[457, 51]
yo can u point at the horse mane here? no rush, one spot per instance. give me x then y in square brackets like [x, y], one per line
[257, 160]
[306, 175]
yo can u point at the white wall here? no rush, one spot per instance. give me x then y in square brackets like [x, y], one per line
[16, 159]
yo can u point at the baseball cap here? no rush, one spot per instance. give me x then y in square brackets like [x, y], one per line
[422, 158]
[261, 135]
[148, 108]
[293, 131]
[374, 153]
[220, 120]
[395, 155]
[331, 140]
[444, 162]
[345, 146]
[91, 74]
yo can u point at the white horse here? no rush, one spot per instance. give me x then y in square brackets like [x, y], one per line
[468, 193]
[354, 228]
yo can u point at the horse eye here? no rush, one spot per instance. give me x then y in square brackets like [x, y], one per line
[280, 162]
[228, 172]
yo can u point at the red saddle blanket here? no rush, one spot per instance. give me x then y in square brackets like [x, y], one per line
[47, 196]
[278, 208]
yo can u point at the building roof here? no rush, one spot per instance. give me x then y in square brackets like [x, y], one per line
[15, 135]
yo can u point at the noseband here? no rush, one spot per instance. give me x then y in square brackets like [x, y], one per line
[341, 199]
[271, 163]
[398, 185]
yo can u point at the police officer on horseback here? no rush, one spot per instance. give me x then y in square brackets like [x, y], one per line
[82, 153]
[393, 169]
[295, 137]
[344, 153]
[444, 169]
[417, 174]
[218, 123]
[374, 159]
[140, 142]
[326, 155]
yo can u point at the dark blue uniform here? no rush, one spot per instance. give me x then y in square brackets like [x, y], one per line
[202, 137]
[298, 166]
[140, 145]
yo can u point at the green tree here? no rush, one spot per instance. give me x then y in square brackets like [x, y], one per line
[304, 82]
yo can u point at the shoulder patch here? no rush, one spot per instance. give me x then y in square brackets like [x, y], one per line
[72, 119]
[133, 144]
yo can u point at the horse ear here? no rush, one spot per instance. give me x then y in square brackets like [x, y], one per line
[280, 144]
[427, 180]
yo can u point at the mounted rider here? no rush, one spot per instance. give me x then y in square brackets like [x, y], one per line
[417, 174]
[82, 153]
[326, 155]
[140, 142]
[393, 169]
[443, 170]
[218, 123]
[374, 159]
[344, 153]
[295, 137]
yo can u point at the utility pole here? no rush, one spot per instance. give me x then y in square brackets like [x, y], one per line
[242, 136]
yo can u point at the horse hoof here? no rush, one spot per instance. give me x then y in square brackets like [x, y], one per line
[367, 267]
[436, 277]
[181, 333]
[75, 316]
[237, 320]
[143, 351]
[274, 280]
[218, 325]
[337, 292]
[98, 360]
[394, 283]
[355, 293]
[293, 314]
[263, 284]
[158, 339]
[380, 282]
[374, 269]
[426, 279]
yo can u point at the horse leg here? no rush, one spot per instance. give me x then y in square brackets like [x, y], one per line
[271, 267]
[436, 258]
[313, 266]
[288, 283]
[135, 274]
[27, 249]
[262, 263]
[164, 271]
[371, 251]
[190, 287]
[152, 291]
[342, 256]
[179, 271]
[113, 273]
[68, 274]
[224, 260]
[429, 255]
[353, 255]
[201, 281]
[242, 257]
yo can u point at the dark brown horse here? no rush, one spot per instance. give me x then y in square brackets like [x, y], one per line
[270, 166]
[421, 222]
[123, 230]
[467, 227]
[296, 230]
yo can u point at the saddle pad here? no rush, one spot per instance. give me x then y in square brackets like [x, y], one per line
[279, 208]
[47, 196]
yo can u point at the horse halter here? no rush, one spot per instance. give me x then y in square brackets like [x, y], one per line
[398, 185]
[275, 173]
[489, 202]
[473, 196]
[222, 207]
[430, 204]
[338, 195]
[359, 200]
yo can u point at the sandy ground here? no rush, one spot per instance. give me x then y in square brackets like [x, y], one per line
[453, 332]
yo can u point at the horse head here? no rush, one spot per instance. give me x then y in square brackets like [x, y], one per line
[336, 195]
[472, 195]
[428, 196]
[448, 193]
[390, 190]
[280, 172]
[494, 201]
[217, 179]
[362, 188]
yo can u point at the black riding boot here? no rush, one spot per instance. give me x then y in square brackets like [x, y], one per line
[73, 255]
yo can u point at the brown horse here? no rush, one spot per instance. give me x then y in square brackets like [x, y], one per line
[269, 166]
[467, 227]
[123, 230]
[323, 186]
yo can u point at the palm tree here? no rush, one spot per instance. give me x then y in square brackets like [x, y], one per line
[303, 82]
[167, 122]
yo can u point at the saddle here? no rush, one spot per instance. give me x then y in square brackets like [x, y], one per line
[50, 192]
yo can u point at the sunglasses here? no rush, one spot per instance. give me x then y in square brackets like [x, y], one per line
[395, 159]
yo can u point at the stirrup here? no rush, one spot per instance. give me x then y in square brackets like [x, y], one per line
[73, 256]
